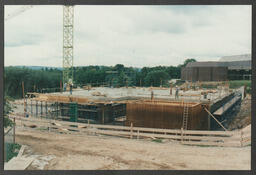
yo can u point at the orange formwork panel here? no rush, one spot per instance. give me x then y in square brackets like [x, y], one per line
[166, 115]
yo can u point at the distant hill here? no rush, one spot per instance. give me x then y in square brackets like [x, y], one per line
[37, 67]
[243, 57]
[59, 68]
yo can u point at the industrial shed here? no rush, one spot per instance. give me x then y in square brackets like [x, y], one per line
[216, 71]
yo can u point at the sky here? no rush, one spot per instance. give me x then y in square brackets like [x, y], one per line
[135, 36]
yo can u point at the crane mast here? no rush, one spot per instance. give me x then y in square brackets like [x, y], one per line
[68, 24]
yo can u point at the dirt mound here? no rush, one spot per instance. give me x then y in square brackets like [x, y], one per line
[243, 117]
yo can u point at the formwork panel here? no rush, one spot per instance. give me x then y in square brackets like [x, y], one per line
[164, 115]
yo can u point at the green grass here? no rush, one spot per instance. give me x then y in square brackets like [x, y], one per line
[238, 83]
[10, 150]
[209, 86]
[157, 140]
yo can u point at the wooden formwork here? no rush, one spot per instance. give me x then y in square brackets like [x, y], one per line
[166, 115]
[61, 98]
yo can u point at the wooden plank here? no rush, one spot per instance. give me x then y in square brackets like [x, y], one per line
[157, 130]
[215, 119]
[223, 133]
[245, 139]
[160, 136]
[209, 138]
[246, 143]
[211, 143]
[141, 134]
[18, 163]
[21, 150]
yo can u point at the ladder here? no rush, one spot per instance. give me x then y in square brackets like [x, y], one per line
[185, 117]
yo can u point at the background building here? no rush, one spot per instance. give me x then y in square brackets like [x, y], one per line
[222, 70]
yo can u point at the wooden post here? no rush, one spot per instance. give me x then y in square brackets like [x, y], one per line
[41, 109]
[241, 139]
[88, 126]
[170, 89]
[181, 134]
[60, 86]
[49, 125]
[103, 115]
[23, 93]
[31, 107]
[14, 125]
[46, 112]
[36, 108]
[57, 109]
[131, 130]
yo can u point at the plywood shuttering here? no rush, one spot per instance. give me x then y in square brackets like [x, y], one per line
[61, 98]
[165, 116]
[198, 120]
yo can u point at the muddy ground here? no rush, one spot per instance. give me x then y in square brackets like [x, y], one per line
[55, 151]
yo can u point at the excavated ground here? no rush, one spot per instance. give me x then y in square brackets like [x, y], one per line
[55, 151]
[243, 117]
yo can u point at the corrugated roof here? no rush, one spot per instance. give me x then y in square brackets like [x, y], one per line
[230, 64]
[236, 57]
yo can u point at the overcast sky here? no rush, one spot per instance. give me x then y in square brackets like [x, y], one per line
[130, 35]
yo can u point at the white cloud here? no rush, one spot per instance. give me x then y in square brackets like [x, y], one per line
[131, 35]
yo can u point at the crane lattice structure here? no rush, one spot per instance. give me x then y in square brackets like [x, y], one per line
[68, 26]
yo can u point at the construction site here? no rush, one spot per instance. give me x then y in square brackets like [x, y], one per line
[200, 123]
[131, 118]
[122, 106]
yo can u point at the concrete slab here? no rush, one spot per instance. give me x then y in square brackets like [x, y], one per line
[141, 92]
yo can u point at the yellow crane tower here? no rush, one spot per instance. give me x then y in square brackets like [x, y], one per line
[68, 39]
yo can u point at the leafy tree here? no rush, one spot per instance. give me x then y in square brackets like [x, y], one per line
[36, 80]
[119, 68]
[7, 110]
[189, 60]
[155, 78]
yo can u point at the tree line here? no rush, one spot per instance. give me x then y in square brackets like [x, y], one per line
[116, 76]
